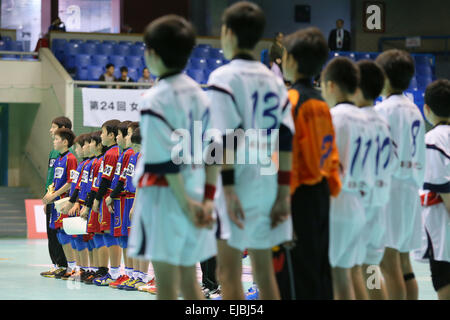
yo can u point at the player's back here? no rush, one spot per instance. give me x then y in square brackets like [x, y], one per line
[408, 131]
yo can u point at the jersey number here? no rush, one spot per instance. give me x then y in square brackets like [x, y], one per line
[271, 104]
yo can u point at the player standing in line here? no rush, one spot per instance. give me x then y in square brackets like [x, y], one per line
[436, 189]
[370, 86]
[339, 82]
[315, 170]
[402, 216]
[167, 226]
[65, 166]
[247, 95]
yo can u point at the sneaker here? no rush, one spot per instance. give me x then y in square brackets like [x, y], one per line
[50, 273]
[252, 293]
[90, 276]
[205, 291]
[125, 283]
[134, 285]
[119, 281]
[98, 274]
[104, 281]
[75, 276]
[84, 275]
[67, 275]
[60, 273]
[149, 285]
[215, 294]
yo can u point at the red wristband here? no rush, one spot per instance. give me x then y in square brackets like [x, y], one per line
[284, 178]
[210, 191]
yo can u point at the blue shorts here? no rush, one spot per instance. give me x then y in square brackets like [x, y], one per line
[117, 217]
[63, 237]
[81, 245]
[98, 241]
[110, 240]
[123, 242]
[126, 216]
[90, 245]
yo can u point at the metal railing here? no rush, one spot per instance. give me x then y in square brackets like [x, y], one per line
[388, 40]
[114, 84]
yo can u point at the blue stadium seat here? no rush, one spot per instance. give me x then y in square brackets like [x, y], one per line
[93, 41]
[139, 43]
[99, 60]
[58, 44]
[2, 45]
[197, 75]
[373, 55]
[203, 45]
[117, 61]
[117, 73]
[424, 70]
[413, 84]
[213, 63]
[82, 74]
[349, 55]
[362, 56]
[94, 72]
[134, 62]
[14, 45]
[88, 48]
[127, 43]
[82, 61]
[121, 49]
[6, 38]
[423, 81]
[105, 48]
[133, 74]
[112, 42]
[137, 50]
[71, 48]
[422, 60]
[265, 57]
[199, 52]
[197, 63]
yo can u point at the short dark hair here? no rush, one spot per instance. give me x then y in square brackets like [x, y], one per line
[309, 48]
[340, 20]
[136, 136]
[95, 136]
[247, 21]
[398, 66]
[343, 72]
[80, 139]
[133, 125]
[437, 97]
[124, 68]
[109, 65]
[111, 126]
[123, 127]
[173, 38]
[62, 122]
[66, 134]
[371, 81]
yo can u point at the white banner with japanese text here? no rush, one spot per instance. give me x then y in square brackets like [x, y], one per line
[100, 105]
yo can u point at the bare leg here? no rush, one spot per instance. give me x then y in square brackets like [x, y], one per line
[69, 253]
[392, 273]
[84, 258]
[412, 289]
[342, 284]
[167, 279]
[359, 285]
[103, 257]
[444, 293]
[377, 290]
[229, 271]
[115, 255]
[264, 274]
[189, 284]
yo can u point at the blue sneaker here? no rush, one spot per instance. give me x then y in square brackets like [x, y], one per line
[104, 281]
[252, 293]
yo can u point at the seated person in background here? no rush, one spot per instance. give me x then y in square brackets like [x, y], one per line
[124, 77]
[108, 76]
[145, 78]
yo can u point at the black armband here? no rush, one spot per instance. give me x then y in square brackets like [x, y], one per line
[118, 189]
[90, 199]
[102, 189]
[74, 196]
[227, 177]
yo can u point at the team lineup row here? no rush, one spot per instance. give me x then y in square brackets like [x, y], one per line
[345, 197]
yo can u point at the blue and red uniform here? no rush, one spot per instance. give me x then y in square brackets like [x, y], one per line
[130, 191]
[93, 224]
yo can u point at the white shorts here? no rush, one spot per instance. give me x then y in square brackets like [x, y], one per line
[160, 231]
[402, 216]
[437, 224]
[223, 231]
[419, 254]
[374, 233]
[347, 220]
[257, 197]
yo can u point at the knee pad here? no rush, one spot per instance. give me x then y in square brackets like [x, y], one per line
[81, 245]
[409, 276]
[110, 240]
[98, 241]
[123, 242]
[63, 237]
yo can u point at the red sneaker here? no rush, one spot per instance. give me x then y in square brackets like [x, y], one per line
[119, 281]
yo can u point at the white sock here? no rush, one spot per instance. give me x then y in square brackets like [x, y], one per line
[129, 272]
[114, 272]
[72, 265]
[136, 274]
[145, 278]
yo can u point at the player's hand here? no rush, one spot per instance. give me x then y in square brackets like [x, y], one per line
[194, 211]
[48, 198]
[67, 207]
[207, 218]
[75, 210]
[281, 210]
[109, 203]
[95, 205]
[234, 207]
[131, 212]
[84, 213]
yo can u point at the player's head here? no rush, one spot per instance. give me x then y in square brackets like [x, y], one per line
[146, 73]
[122, 131]
[96, 143]
[136, 137]
[398, 65]
[79, 143]
[279, 36]
[131, 128]
[437, 101]
[169, 41]
[371, 82]
[339, 23]
[110, 69]
[86, 145]
[306, 53]
[124, 71]
[242, 27]
[59, 122]
[63, 140]
[339, 80]
[109, 132]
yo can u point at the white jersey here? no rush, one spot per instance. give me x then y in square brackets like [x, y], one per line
[408, 131]
[171, 112]
[385, 157]
[356, 152]
[437, 180]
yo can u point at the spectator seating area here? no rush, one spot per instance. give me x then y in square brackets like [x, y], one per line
[7, 44]
[86, 60]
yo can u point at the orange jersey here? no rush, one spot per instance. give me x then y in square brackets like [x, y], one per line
[314, 150]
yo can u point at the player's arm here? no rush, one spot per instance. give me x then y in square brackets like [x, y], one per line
[51, 197]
